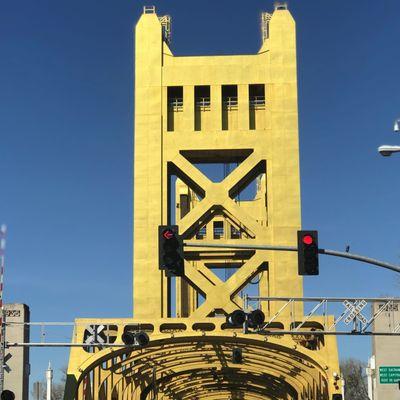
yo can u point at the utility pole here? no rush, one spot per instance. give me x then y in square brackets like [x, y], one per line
[49, 379]
[3, 230]
[36, 390]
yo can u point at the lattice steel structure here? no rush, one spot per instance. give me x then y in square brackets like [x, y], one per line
[238, 112]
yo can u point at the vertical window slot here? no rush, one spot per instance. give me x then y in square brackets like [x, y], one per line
[218, 228]
[202, 103]
[229, 104]
[256, 103]
[175, 105]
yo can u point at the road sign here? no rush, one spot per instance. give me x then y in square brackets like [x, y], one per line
[389, 374]
[354, 310]
[5, 360]
[94, 334]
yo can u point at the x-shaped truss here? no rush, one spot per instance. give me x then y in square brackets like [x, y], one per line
[219, 197]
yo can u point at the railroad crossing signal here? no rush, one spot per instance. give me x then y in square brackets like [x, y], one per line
[94, 334]
[7, 395]
[354, 310]
[170, 250]
[307, 250]
[5, 360]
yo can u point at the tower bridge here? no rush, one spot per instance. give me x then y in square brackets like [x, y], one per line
[237, 112]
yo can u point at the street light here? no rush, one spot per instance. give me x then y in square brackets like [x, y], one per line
[396, 127]
[387, 150]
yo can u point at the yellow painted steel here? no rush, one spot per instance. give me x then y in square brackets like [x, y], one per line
[239, 112]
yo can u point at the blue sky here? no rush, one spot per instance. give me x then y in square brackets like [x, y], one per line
[66, 145]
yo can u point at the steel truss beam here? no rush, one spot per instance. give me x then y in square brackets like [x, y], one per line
[351, 316]
[351, 313]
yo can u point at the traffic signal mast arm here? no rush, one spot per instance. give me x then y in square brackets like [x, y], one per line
[327, 252]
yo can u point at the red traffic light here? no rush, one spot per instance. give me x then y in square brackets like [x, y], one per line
[308, 239]
[168, 234]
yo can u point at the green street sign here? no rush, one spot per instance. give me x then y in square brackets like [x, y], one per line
[389, 374]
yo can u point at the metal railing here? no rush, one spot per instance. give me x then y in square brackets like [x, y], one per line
[230, 103]
[175, 104]
[257, 102]
[203, 103]
[149, 9]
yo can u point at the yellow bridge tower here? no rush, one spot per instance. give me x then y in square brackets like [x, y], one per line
[194, 115]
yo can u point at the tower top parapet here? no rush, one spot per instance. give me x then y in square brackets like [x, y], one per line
[280, 5]
[149, 9]
[165, 21]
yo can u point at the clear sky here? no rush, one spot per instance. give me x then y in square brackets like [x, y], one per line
[66, 144]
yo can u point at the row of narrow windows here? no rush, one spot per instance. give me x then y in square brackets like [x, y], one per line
[218, 231]
[203, 101]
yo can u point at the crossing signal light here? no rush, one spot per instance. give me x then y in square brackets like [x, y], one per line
[170, 247]
[128, 338]
[307, 250]
[256, 318]
[236, 318]
[142, 339]
[135, 338]
[7, 395]
[237, 356]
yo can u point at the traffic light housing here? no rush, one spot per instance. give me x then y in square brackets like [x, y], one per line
[7, 395]
[170, 247]
[140, 338]
[237, 355]
[236, 318]
[307, 250]
[256, 318]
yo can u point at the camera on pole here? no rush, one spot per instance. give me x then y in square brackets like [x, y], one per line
[170, 247]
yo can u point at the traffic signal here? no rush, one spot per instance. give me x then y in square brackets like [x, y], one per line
[236, 318]
[135, 338]
[237, 356]
[256, 318]
[307, 250]
[142, 338]
[128, 338]
[170, 247]
[7, 395]
[337, 397]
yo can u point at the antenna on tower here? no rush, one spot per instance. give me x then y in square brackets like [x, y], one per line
[265, 18]
[166, 27]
